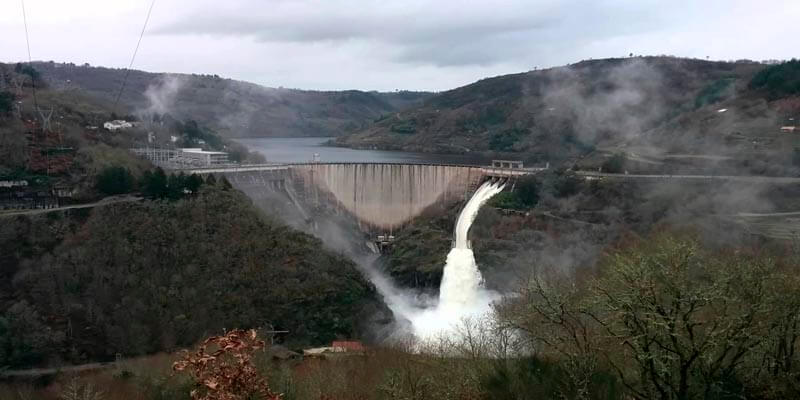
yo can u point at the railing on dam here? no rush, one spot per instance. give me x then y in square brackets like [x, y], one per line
[223, 169]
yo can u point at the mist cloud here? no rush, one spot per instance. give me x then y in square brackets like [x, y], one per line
[161, 95]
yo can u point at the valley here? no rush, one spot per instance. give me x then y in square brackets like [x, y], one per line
[377, 219]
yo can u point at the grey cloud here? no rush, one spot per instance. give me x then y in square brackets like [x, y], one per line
[449, 34]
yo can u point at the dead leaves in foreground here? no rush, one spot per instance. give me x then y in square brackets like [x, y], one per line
[223, 370]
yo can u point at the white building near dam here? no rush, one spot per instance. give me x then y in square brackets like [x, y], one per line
[200, 157]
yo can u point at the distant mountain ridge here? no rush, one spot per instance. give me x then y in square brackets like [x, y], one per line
[232, 108]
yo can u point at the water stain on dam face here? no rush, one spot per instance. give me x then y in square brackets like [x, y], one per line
[386, 196]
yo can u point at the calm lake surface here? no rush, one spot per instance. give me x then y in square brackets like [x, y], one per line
[290, 150]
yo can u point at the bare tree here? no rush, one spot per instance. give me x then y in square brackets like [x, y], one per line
[672, 320]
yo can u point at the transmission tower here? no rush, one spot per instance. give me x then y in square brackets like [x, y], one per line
[46, 117]
[18, 83]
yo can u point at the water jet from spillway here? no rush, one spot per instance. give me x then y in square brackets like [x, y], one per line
[461, 293]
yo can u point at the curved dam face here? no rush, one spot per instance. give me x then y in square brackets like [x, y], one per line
[386, 196]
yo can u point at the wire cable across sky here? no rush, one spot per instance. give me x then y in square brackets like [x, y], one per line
[30, 61]
[133, 58]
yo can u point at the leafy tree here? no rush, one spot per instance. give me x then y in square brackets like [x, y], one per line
[6, 102]
[175, 186]
[114, 180]
[24, 338]
[779, 80]
[26, 69]
[154, 184]
[193, 183]
[528, 190]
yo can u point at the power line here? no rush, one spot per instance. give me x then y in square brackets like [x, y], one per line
[136, 50]
[30, 62]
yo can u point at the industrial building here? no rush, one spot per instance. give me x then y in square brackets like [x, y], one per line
[200, 157]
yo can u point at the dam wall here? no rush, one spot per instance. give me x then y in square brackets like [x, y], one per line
[386, 196]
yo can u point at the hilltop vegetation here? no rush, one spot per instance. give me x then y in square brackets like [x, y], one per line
[779, 80]
[232, 108]
[648, 106]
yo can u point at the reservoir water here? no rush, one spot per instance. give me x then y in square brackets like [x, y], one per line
[292, 150]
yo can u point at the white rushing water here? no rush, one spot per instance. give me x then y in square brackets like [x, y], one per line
[461, 293]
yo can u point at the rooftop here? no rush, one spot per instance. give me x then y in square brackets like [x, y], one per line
[200, 151]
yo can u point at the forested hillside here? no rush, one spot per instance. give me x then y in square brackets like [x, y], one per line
[646, 107]
[145, 277]
[233, 108]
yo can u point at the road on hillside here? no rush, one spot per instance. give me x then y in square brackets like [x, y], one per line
[739, 178]
[37, 372]
[104, 202]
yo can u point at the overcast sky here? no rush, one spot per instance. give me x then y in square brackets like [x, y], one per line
[386, 44]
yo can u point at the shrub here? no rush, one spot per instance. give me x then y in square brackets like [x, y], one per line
[505, 140]
[713, 92]
[524, 196]
[226, 371]
[404, 127]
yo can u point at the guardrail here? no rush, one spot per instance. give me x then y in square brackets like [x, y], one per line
[277, 166]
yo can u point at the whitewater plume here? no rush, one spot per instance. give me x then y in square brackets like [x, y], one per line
[461, 293]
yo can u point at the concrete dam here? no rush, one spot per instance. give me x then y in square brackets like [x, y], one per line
[380, 196]
[386, 196]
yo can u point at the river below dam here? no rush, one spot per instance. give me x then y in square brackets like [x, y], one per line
[294, 150]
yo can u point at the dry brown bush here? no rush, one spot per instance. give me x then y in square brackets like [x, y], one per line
[222, 368]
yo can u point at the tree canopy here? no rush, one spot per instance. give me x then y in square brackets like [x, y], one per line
[673, 320]
[138, 278]
[779, 80]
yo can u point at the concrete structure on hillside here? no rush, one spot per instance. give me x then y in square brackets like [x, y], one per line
[506, 164]
[200, 157]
